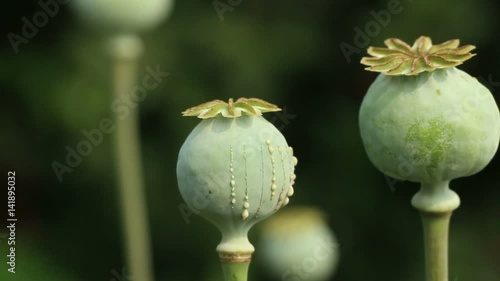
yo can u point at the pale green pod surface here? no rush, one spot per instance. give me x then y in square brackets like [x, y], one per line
[235, 172]
[297, 244]
[432, 126]
[121, 15]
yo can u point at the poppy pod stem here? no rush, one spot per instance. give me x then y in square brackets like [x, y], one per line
[125, 52]
[235, 266]
[436, 227]
[436, 203]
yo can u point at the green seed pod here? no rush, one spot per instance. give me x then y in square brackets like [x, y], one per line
[422, 119]
[297, 244]
[123, 16]
[235, 169]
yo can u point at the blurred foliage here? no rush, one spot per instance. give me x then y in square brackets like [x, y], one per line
[284, 52]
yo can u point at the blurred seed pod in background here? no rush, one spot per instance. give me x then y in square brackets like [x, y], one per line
[123, 15]
[297, 244]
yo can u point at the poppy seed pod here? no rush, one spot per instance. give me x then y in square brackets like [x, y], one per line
[424, 120]
[297, 242]
[123, 16]
[235, 168]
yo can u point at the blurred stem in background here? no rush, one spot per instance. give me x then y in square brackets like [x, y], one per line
[125, 53]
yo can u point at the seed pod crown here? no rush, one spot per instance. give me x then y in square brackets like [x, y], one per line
[400, 58]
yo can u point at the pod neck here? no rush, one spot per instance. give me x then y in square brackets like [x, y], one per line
[435, 198]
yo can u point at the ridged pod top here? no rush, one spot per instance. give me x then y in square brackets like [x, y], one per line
[401, 59]
[231, 109]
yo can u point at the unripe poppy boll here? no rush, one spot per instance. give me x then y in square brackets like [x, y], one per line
[235, 169]
[426, 121]
[423, 119]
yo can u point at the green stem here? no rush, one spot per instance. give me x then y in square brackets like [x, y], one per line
[235, 253]
[436, 246]
[436, 202]
[235, 271]
[125, 52]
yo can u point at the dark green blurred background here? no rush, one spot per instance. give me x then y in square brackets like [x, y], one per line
[286, 52]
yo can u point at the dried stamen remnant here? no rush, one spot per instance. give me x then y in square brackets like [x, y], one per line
[231, 109]
[402, 59]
